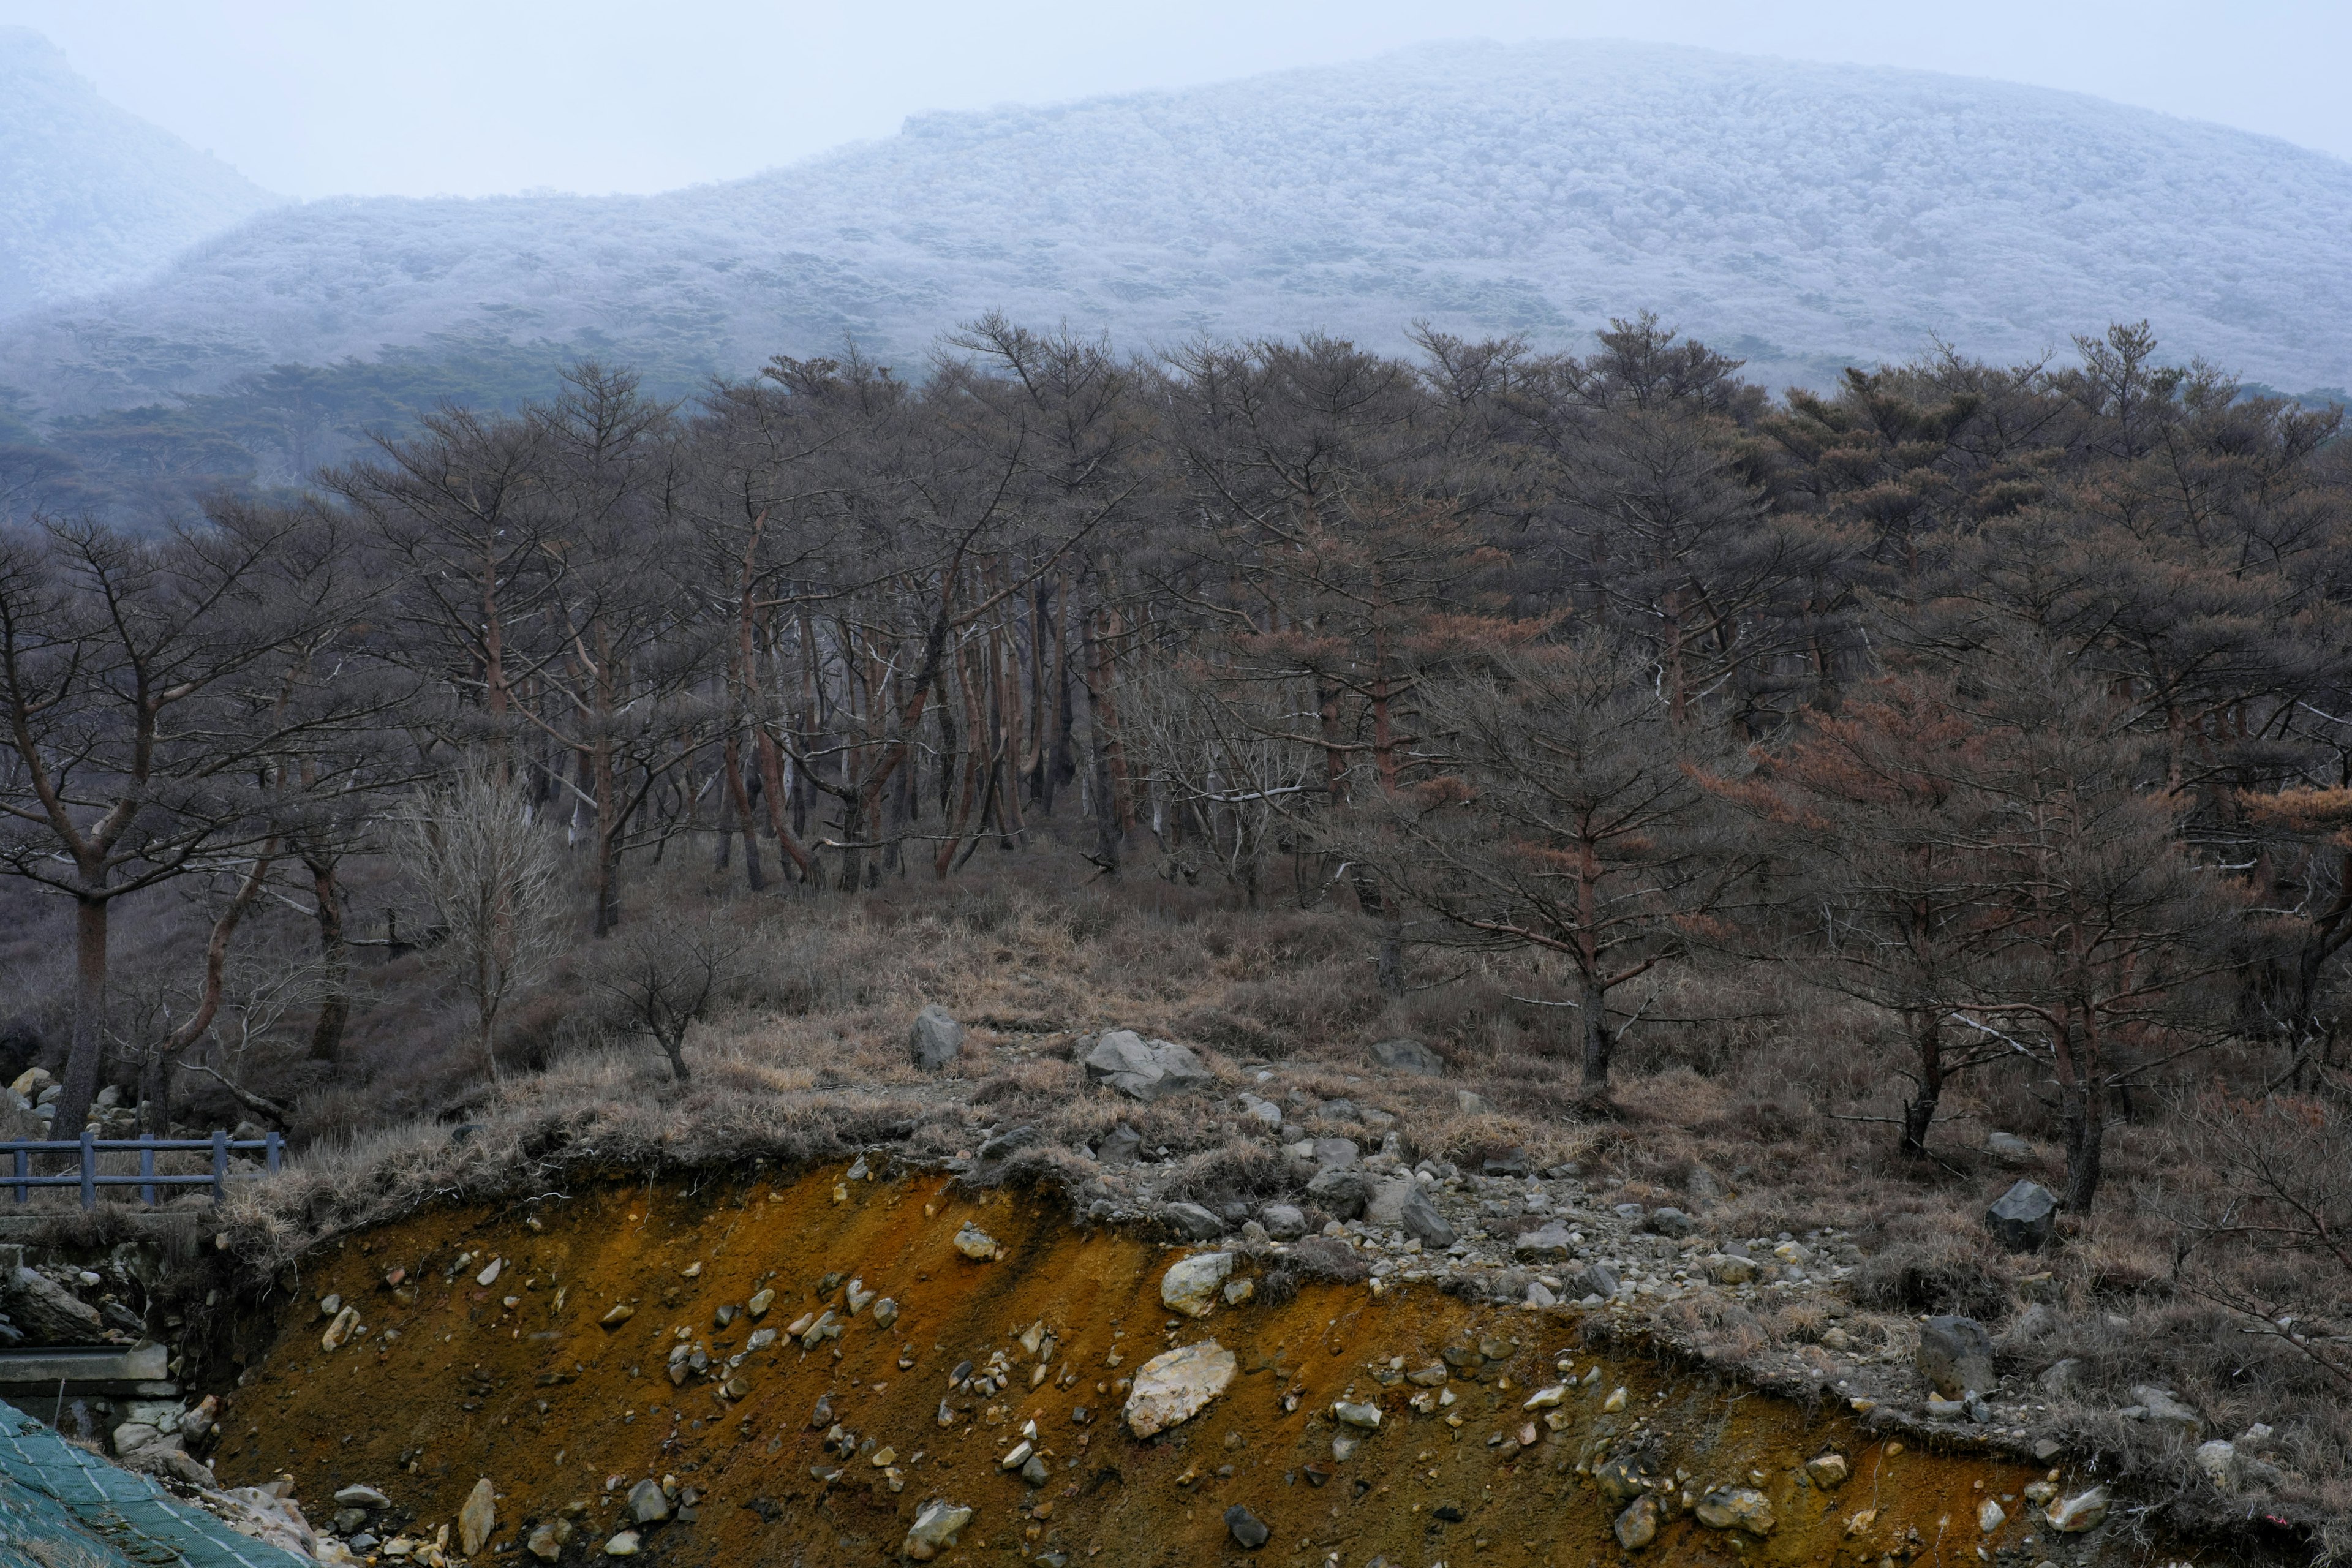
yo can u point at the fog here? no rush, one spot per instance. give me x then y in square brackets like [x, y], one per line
[462, 98]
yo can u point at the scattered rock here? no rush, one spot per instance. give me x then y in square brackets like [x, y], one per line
[1638, 1525]
[364, 1497]
[886, 1313]
[1011, 1141]
[1593, 1280]
[544, 1543]
[1337, 1153]
[2219, 1460]
[936, 1041]
[1342, 1192]
[1190, 1222]
[338, 1331]
[1367, 1417]
[1141, 1069]
[2022, 1218]
[1409, 1056]
[1955, 1355]
[1991, 1516]
[1173, 1387]
[1283, 1222]
[1239, 1291]
[937, 1524]
[1550, 1242]
[1248, 1531]
[1729, 1268]
[2084, 1510]
[1190, 1284]
[480, 1516]
[620, 1314]
[1827, 1471]
[624, 1544]
[1670, 1222]
[2165, 1408]
[1736, 1507]
[2009, 1149]
[2059, 1376]
[976, 1244]
[647, 1503]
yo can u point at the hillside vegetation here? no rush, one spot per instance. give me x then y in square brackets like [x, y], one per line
[1802, 216]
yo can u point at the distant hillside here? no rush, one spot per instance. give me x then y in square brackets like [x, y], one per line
[93, 197]
[1805, 215]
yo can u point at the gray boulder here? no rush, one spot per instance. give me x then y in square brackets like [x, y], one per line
[1592, 1279]
[1403, 1054]
[1119, 1146]
[1547, 1243]
[1283, 1222]
[45, 1312]
[1190, 1222]
[2022, 1218]
[2166, 1409]
[936, 1041]
[1955, 1356]
[1142, 1069]
[1341, 1191]
[1009, 1141]
[1422, 1222]
[1670, 1222]
[1337, 1153]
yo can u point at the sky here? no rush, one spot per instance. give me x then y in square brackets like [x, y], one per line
[314, 97]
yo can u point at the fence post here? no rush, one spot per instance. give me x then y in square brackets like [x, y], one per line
[24, 1162]
[277, 1142]
[220, 1166]
[147, 1168]
[89, 1169]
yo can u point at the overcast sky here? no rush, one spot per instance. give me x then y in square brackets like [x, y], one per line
[319, 97]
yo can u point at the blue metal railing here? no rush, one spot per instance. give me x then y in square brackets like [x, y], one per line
[90, 1178]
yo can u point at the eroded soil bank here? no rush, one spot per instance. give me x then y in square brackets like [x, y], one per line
[447, 1380]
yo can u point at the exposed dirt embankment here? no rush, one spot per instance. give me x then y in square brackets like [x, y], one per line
[455, 1373]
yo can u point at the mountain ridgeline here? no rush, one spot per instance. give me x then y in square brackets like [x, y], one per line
[1805, 215]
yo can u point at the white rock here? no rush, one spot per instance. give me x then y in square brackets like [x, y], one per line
[1190, 1286]
[1173, 1387]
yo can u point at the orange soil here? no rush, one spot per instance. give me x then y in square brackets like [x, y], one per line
[549, 1405]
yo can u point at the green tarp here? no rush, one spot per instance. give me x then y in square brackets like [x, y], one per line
[57, 1500]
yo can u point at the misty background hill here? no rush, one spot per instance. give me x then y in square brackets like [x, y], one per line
[1804, 216]
[93, 197]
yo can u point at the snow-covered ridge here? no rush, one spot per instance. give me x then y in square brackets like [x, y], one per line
[1805, 215]
[93, 197]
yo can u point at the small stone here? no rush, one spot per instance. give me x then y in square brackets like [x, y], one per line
[759, 1303]
[1239, 1291]
[1119, 1146]
[1011, 1141]
[936, 1040]
[1955, 1355]
[624, 1544]
[1190, 1284]
[1615, 1403]
[976, 1244]
[1991, 1516]
[1827, 1471]
[361, 1497]
[2166, 1409]
[1670, 1222]
[937, 1524]
[617, 1316]
[1367, 1417]
[489, 1276]
[1546, 1243]
[478, 1516]
[1035, 1471]
[1638, 1525]
[543, 1543]
[886, 1313]
[1736, 1507]
[1409, 1056]
[858, 1297]
[2084, 1510]
[1017, 1457]
[1283, 1222]
[1248, 1531]
[2219, 1460]
[337, 1332]
[647, 1503]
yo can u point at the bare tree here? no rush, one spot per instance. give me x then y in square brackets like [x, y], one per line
[666, 979]
[495, 879]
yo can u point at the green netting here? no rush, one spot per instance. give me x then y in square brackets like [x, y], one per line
[65, 1506]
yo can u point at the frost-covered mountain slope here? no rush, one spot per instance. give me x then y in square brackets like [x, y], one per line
[1802, 213]
[93, 197]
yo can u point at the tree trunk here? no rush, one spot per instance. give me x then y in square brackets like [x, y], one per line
[1919, 1112]
[335, 1011]
[1598, 1046]
[80, 1081]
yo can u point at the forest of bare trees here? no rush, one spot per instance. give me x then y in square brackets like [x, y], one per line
[2013, 704]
